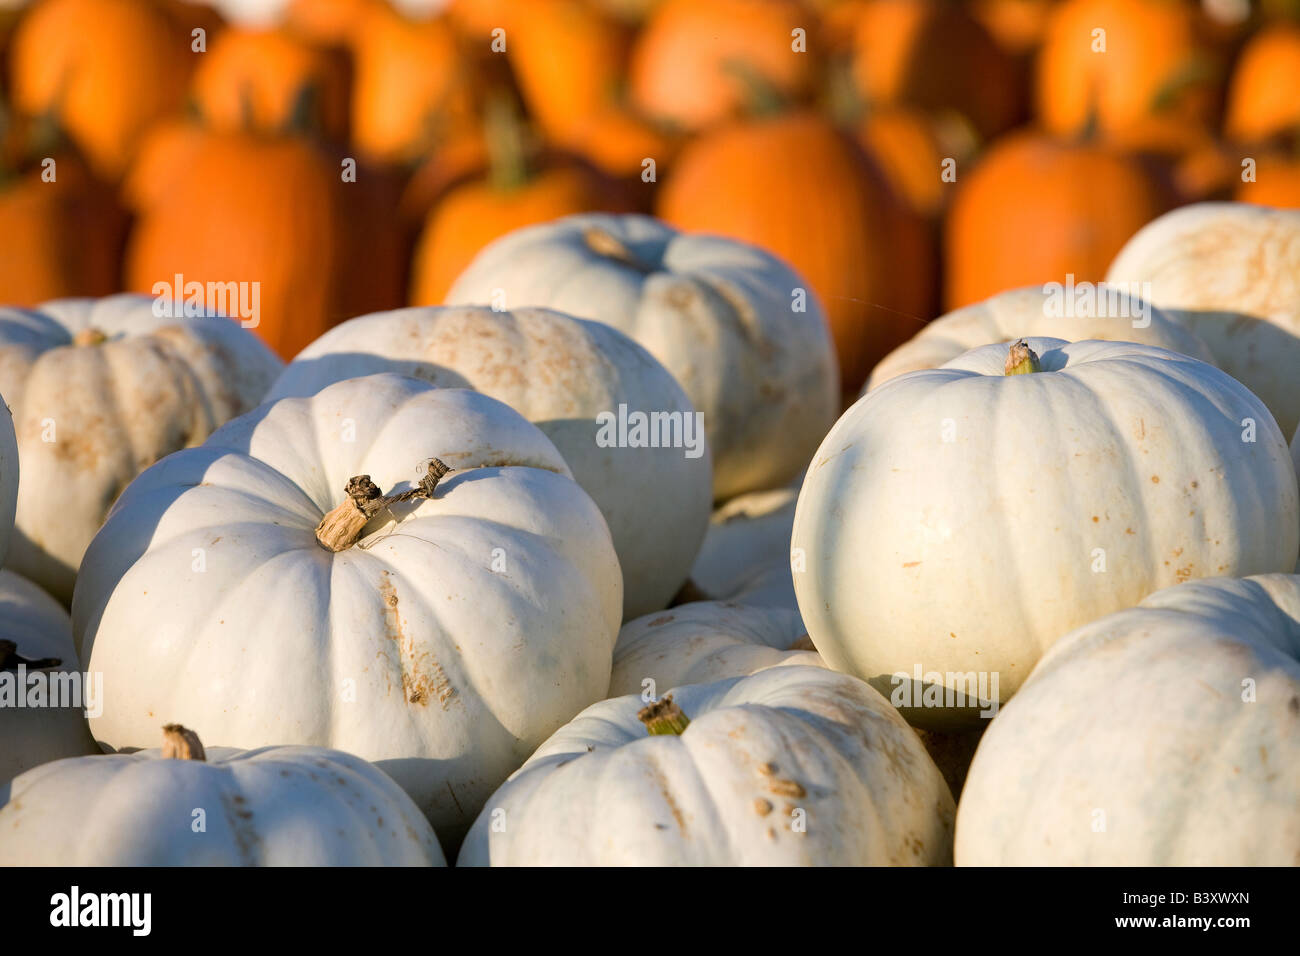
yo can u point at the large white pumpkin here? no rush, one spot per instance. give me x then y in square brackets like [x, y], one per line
[1071, 312]
[791, 766]
[444, 645]
[742, 332]
[1163, 735]
[8, 478]
[34, 633]
[705, 641]
[1230, 272]
[100, 390]
[570, 378]
[745, 556]
[957, 521]
[277, 806]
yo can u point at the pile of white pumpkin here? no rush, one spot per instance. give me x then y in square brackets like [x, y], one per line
[550, 650]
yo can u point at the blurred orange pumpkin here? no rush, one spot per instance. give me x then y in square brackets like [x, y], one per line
[259, 80]
[326, 22]
[226, 207]
[909, 148]
[1277, 181]
[933, 55]
[797, 187]
[1262, 97]
[106, 69]
[697, 62]
[1035, 208]
[1017, 26]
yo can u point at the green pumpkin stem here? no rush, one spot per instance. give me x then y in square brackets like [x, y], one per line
[181, 743]
[663, 717]
[1021, 359]
[340, 529]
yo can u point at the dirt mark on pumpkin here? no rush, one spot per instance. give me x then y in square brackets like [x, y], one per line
[423, 678]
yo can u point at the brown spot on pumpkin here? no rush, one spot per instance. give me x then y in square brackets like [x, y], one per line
[768, 768]
[1095, 519]
[1155, 479]
[660, 621]
[1129, 531]
[787, 788]
[762, 807]
[910, 564]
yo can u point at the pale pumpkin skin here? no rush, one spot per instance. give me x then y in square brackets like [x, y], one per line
[976, 554]
[8, 478]
[705, 641]
[745, 557]
[443, 647]
[40, 628]
[153, 386]
[1230, 272]
[602, 792]
[1023, 312]
[1179, 720]
[560, 373]
[275, 806]
[719, 314]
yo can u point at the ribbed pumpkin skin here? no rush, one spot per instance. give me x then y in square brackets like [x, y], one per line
[1194, 759]
[1032, 212]
[1261, 96]
[275, 211]
[40, 628]
[796, 187]
[1152, 47]
[107, 68]
[689, 61]
[254, 79]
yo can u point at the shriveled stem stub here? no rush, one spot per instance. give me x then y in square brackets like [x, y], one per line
[340, 529]
[611, 247]
[1021, 359]
[89, 336]
[663, 717]
[181, 743]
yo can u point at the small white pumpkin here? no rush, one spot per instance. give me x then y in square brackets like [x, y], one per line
[959, 520]
[742, 333]
[569, 377]
[745, 557]
[237, 587]
[705, 641]
[791, 766]
[1074, 313]
[100, 390]
[1175, 724]
[1230, 272]
[8, 478]
[277, 806]
[36, 638]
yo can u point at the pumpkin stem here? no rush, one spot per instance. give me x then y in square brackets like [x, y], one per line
[1021, 359]
[340, 529]
[181, 743]
[11, 660]
[663, 717]
[89, 336]
[611, 247]
[506, 143]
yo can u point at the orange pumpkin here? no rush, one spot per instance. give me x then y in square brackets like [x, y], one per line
[909, 148]
[326, 22]
[1155, 66]
[1036, 208]
[618, 142]
[107, 69]
[1018, 26]
[272, 210]
[933, 55]
[261, 79]
[797, 187]
[1262, 100]
[697, 62]
[412, 87]
[1277, 182]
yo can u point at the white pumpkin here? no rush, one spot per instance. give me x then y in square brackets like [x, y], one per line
[35, 632]
[1230, 272]
[443, 640]
[741, 331]
[957, 521]
[745, 557]
[8, 478]
[705, 641]
[791, 766]
[1073, 313]
[277, 806]
[100, 390]
[1176, 724]
[566, 376]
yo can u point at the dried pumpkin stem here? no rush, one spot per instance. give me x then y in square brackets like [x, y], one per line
[181, 743]
[10, 659]
[1021, 359]
[663, 717]
[89, 336]
[340, 529]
